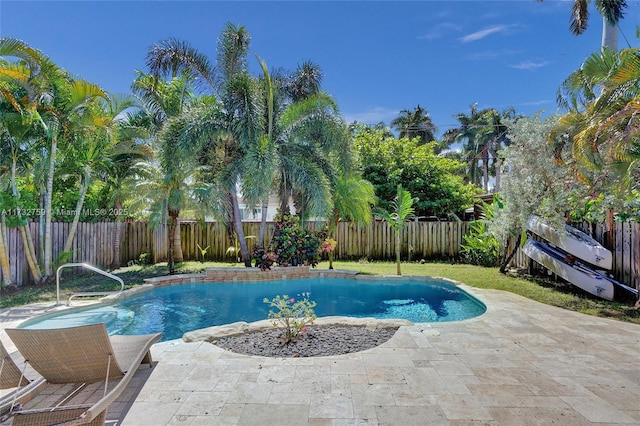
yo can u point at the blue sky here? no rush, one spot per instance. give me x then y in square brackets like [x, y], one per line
[378, 57]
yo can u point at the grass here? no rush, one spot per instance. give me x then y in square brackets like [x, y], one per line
[545, 291]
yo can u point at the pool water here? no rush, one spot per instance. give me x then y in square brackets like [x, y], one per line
[174, 310]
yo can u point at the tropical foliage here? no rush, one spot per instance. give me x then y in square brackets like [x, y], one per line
[482, 134]
[401, 210]
[434, 181]
[598, 138]
[415, 124]
[612, 12]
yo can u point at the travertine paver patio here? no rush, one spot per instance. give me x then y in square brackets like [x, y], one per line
[521, 362]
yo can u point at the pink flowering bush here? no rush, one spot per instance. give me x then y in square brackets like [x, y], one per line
[329, 245]
[291, 315]
[263, 259]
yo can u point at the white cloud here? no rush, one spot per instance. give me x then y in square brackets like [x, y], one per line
[529, 65]
[478, 35]
[490, 54]
[373, 116]
[536, 103]
[440, 31]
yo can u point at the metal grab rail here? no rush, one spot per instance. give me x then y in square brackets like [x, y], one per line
[92, 268]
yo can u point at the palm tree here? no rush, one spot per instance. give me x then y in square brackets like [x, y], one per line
[612, 12]
[482, 133]
[602, 123]
[17, 146]
[416, 123]
[59, 120]
[303, 136]
[353, 198]
[163, 100]
[18, 89]
[471, 127]
[57, 101]
[93, 144]
[130, 149]
[232, 126]
[402, 208]
[305, 81]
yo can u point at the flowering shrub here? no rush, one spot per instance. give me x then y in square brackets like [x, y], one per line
[291, 315]
[263, 259]
[293, 245]
[285, 241]
[329, 245]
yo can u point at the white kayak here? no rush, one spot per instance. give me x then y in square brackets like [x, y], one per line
[576, 273]
[574, 242]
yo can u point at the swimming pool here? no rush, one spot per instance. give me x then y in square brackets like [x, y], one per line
[174, 310]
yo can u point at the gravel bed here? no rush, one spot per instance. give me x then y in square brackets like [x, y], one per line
[317, 341]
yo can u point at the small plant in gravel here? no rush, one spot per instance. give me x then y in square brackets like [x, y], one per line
[290, 315]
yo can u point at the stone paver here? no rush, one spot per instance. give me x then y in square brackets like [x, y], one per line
[521, 362]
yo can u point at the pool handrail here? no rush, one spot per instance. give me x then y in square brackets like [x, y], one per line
[88, 293]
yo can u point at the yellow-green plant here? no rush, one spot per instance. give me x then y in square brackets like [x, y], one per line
[291, 315]
[402, 208]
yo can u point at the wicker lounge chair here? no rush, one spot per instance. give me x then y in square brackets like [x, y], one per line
[13, 380]
[84, 370]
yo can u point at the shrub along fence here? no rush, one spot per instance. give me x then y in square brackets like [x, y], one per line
[94, 243]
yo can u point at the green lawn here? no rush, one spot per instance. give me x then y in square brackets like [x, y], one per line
[544, 291]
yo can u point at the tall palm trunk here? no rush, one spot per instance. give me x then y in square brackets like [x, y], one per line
[173, 219]
[485, 170]
[177, 243]
[609, 35]
[398, 272]
[48, 244]
[4, 255]
[237, 224]
[25, 233]
[76, 217]
[41, 222]
[115, 262]
[27, 242]
[263, 223]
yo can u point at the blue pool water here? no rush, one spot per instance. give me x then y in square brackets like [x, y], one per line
[174, 310]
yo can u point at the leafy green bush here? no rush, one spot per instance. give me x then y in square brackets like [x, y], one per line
[144, 259]
[479, 246]
[292, 245]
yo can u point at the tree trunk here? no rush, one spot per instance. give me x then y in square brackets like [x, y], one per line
[177, 243]
[76, 217]
[609, 35]
[48, 244]
[263, 223]
[237, 223]
[505, 263]
[30, 254]
[25, 233]
[485, 171]
[398, 272]
[115, 262]
[4, 258]
[173, 218]
[41, 222]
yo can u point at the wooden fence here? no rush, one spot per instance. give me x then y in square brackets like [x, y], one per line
[94, 243]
